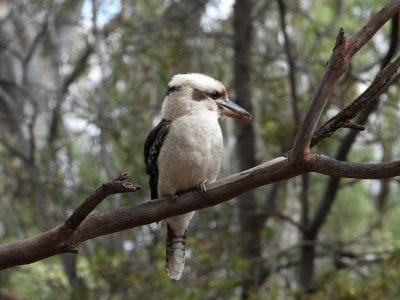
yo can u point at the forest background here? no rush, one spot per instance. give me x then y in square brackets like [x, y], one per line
[81, 85]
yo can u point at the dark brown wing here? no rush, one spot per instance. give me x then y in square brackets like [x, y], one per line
[152, 148]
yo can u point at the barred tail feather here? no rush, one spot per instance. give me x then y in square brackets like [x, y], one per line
[175, 254]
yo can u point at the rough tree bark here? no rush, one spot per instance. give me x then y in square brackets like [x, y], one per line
[81, 226]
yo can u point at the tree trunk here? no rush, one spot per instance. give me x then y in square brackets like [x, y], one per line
[250, 223]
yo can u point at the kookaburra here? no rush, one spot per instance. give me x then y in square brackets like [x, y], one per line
[184, 150]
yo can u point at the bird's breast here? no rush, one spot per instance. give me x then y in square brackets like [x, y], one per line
[191, 153]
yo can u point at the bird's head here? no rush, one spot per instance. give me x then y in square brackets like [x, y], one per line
[198, 93]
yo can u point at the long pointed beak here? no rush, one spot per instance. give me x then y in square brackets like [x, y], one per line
[231, 109]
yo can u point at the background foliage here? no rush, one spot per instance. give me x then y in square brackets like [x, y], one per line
[81, 85]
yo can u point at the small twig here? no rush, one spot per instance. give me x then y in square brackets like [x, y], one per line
[353, 125]
[290, 220]
[115, 186]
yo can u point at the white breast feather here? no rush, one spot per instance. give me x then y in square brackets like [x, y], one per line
[191, 153]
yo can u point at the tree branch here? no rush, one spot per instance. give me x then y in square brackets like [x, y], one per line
[65, 237]
[116, 186]
[58, 239]
[337, 168]
[342, 119]
[374, 24]
[332, 187]
[79, 66]
[338, 63]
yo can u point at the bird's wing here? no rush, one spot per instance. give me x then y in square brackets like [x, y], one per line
[152, 148]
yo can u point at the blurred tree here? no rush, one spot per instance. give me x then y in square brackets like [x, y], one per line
[249, 219]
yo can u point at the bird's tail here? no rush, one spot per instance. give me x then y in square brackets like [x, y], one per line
[175, 254]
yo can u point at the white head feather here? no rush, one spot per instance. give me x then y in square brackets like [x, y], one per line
[182, 98]
[196, 80]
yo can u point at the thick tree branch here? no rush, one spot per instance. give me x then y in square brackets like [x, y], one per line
[64, 238]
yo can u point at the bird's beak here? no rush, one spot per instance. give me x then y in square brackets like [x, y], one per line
[231, 109]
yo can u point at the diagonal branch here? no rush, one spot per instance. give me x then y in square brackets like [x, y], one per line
[57, 240]
[332, 187]
[377, 87]
[337, 66]
[338, 63]
[374, 24]
[78, 68]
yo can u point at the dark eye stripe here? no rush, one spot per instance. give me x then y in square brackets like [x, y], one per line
[172, 89]
[198, 95]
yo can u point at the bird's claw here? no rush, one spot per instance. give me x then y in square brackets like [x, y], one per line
[202, 187]
[175, 197]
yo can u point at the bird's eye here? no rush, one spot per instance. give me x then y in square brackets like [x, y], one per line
[214, 95]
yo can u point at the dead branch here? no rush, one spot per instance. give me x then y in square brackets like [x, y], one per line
[58, 240]
[117, 186]
[337, 168]
[342, 53]
[342, 119]
[65, 237]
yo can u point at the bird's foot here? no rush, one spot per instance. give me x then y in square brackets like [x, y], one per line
[202, 187]
[175, 197]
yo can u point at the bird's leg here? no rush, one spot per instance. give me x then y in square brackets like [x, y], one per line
[202, 187]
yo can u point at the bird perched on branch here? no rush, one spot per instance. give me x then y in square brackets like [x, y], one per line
[184, 150]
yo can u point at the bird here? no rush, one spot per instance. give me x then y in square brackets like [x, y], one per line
[184, 150]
